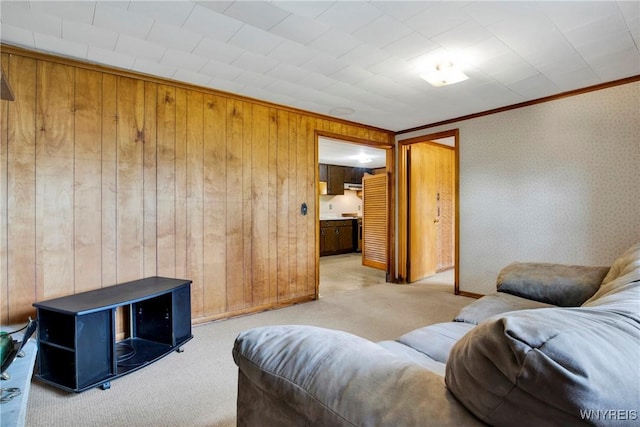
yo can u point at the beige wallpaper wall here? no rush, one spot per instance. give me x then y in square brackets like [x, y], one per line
[553, 182]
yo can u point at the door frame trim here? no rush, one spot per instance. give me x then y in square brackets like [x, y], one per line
[389, 147]
[403, 201]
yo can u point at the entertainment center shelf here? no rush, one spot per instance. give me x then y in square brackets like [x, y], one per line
[77, 347]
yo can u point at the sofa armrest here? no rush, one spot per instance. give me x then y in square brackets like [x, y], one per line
[557, 284]
[316, 376]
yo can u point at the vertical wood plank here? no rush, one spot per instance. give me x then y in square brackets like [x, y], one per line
[109, 205]
[21, 189]
[292, 203]
[4, 194]
[235, 251]
[88, 180]
[259, 193]
[273, 205]
[283, 191]
[181, 183]
[130, 180]
[303, 239]
[312, 198]
[54, 180]
[215, 211]
[166, 181]
[247, 204]
[195, 240]
[149, 180]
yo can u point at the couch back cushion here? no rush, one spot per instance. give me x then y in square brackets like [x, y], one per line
[534, 366]
[556, 284]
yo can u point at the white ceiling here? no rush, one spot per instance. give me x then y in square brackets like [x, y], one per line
[341, 153]
[328, 56]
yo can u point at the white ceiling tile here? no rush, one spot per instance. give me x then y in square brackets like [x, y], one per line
[109, 57]
[508, 69]
[437, 19]
[254, 62]
[212, 24]
[562, 66]
[574, 79]
[564, 16]
[173, 37]
[351, 74]
[597, 53]
[38, 22]
[316, 81]
[112, 18]
[550, 54]
[255, 40]
[526, 34]
[349, 16]
[260, 14]
[335, 43]
[292, 53]
[467, 34]
[252, 79]
[401, 10]
[618, 65]
[85, 33]
[214, 49]
[487, 13]
[411, 46]
[77, 11]
[310, 9]
[285, 88]
[153, 68]
[191, 77]
[324, 64]
[221, 70]
[217, 5]
[168, 12]
[183, 60]
[299, 29]
[537, 86]
[391, 67]
[136, 47]
[364, 56]
[63, 47]
[17, 36]
[484, 52]
[290, 73]
[383, 31]
[593, 32]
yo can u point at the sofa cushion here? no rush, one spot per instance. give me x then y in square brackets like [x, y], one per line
[493, 304]
[557, 284]
[410, 354]
[623, 278]
[548, 364]
[436, 340]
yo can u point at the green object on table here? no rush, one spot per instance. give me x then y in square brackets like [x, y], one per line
[6, 347]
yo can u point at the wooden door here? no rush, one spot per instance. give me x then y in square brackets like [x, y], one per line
[422, 212]
[374, 220]
[445, 208]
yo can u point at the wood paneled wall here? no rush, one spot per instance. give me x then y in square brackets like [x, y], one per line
[108, 177]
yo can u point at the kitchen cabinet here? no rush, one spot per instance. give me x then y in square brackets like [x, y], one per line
[337, 236]
[335, 180]
[323, 173]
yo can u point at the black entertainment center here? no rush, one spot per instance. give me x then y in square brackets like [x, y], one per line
[77, 347]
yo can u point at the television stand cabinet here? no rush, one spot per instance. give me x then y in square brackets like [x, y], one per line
[77, 347]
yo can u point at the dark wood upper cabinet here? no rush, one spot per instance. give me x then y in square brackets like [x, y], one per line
[322, 172]
[335, 180]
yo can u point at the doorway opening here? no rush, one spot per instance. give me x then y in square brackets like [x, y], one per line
[343, 165]
[428, 208]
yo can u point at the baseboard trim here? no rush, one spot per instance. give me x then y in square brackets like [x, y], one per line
[469, 294]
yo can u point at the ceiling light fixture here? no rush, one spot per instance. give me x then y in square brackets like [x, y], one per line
[443, 73]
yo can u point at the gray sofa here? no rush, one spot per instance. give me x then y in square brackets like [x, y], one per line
[555, 345]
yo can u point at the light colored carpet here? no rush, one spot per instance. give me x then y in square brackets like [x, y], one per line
[198, 387]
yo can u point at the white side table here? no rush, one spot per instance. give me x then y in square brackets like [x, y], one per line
[14, 412]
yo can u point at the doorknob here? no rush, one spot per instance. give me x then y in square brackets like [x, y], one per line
[437, 220]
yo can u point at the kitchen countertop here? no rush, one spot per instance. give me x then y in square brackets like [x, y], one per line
[336, 218]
